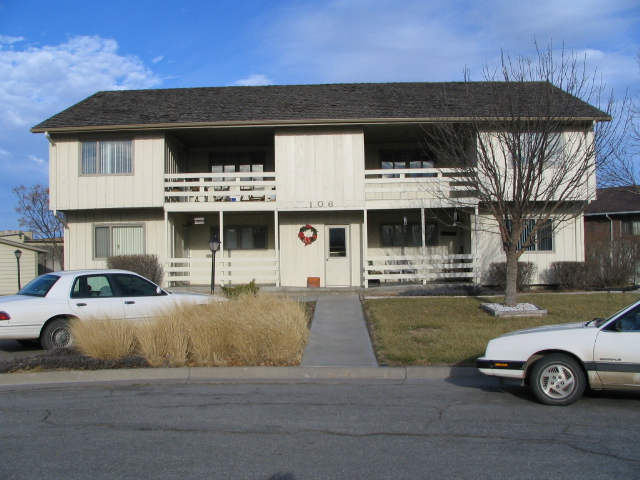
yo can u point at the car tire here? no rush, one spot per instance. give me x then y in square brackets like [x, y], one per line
[557, 379]
[57, 334]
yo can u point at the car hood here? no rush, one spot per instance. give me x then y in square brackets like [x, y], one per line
[548, 328]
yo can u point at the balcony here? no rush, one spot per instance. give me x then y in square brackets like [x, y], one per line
[189, 191]
[411, 184]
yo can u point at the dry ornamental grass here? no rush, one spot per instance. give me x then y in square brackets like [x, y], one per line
[253, 330]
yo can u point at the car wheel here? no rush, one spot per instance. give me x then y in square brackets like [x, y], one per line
[557, 379]
[57, 334]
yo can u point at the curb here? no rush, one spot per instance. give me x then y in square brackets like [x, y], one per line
[230, 375]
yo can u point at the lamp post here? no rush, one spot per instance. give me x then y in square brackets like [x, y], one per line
[18, 254]
[214, 246]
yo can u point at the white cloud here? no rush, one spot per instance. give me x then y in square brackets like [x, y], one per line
[37, 160]
[36, 82]
[157, 59]
[433, 40]
[7, 40]
[253, 80]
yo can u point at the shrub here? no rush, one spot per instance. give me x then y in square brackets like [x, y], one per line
[615, 263]
[573, 275]
[498, 274]
[146, 265]
[253, 330]
[233, 293]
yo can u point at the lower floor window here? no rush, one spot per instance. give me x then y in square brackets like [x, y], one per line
[242, 237]
[543, 241]
[631, 227]
[113, 240]
[407, 235]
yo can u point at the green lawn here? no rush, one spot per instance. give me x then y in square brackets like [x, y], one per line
[455, 331]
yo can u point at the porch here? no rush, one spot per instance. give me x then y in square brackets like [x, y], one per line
[378, 247]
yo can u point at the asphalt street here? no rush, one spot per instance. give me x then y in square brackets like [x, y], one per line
[464, 428]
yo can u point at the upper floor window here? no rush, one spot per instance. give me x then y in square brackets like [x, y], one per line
[111, 240]
[536, 147]
[238, 162]
[107, 157]
[410, 158]
[630, 227]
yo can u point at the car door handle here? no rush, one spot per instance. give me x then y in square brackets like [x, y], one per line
[129, 302]
[81, 304]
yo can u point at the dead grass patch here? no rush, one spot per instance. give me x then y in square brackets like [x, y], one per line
[455, 331]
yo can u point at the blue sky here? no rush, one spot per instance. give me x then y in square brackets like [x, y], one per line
[54, 54]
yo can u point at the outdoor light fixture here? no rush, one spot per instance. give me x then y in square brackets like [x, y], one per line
[18, 254]
[214, 246]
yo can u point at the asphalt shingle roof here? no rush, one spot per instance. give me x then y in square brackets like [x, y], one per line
[299, 103]
[615, 200]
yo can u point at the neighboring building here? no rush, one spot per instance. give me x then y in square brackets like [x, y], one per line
[614, 215]
[162, 171]
[28, 263]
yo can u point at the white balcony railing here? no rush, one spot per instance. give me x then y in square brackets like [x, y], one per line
[395, 268]
[414, 183]
[220, 187]
[197, 271]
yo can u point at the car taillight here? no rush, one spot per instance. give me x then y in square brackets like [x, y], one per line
[5, 316]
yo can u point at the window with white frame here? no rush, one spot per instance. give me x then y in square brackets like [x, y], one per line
[408, 158]
[543, 241]
[410, 235]
[535, 147]
[630, 227]
[112, 240]
[238, 162]
[243, 237]
[107, 157]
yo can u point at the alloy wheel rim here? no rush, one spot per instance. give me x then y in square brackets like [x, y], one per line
[557, 381]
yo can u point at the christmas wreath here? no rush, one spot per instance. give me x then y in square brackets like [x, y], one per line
[307, 238]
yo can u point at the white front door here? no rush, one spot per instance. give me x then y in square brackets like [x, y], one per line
[337, 256]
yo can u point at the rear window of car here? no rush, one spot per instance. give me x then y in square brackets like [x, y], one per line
[39, 286]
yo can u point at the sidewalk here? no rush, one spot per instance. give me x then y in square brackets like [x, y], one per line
[338, 335]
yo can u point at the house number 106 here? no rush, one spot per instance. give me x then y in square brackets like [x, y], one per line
[320, 204]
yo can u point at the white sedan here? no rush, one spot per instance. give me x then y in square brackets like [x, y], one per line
[41, 310]
[560, 361]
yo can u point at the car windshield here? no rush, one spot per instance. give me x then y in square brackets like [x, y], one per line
[39, 286]
[601, 321]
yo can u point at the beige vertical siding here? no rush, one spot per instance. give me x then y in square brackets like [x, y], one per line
[299, 261]
[143, 188]
[320, 168]
[568, 246]
[79, 239]
[9, 268]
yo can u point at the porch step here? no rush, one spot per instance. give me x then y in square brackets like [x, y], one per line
[338, 335]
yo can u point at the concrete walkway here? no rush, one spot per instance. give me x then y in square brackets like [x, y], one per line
[338, 335]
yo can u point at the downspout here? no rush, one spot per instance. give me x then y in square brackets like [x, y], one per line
[48, 137]
[610, 236]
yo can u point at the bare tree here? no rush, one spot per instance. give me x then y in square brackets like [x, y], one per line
[530, 156]
[33, 206]
[623, 170]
